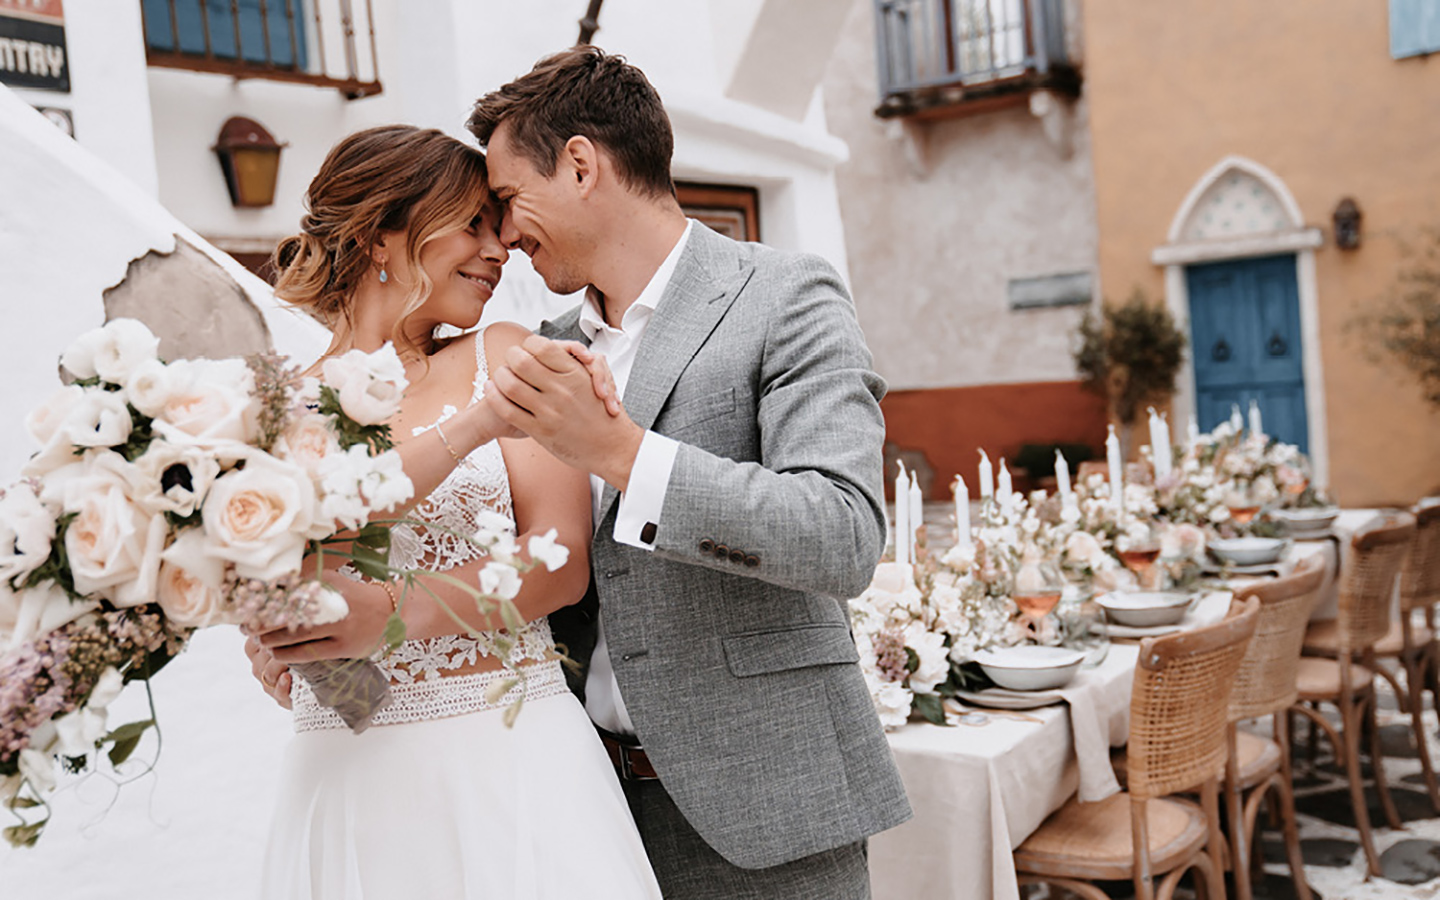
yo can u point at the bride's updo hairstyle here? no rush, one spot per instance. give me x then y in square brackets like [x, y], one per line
[419, 181]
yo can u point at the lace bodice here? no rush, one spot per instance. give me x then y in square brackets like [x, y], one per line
[418, 668]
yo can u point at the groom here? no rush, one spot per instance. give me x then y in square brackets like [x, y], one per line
[737, 499]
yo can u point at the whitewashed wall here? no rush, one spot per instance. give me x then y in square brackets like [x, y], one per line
[71, 220]
[937, 228]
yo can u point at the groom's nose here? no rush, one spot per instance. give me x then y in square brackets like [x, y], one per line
[509, 234]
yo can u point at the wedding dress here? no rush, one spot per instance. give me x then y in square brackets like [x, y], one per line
[438, 799]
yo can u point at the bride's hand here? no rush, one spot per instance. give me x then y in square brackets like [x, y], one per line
[600, 375]
[353, 637]
[273, 676]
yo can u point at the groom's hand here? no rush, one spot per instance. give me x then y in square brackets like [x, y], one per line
[546, 392]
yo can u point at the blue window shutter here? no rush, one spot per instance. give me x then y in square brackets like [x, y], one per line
[1414, 27]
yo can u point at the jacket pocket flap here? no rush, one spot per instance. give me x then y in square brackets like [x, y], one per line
[699, 409]
[797, 647]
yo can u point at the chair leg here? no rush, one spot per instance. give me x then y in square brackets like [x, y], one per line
[1285, 788]
[1215, 849]
[1235, 814]
[1416, 670]
[1377, 765]
[1350, 718]
[1400, 697]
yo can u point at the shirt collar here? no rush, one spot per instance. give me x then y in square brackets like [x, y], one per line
[592, 320]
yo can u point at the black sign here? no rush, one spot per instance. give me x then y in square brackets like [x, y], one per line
[32, 54]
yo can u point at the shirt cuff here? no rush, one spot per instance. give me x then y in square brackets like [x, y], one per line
[637, 520]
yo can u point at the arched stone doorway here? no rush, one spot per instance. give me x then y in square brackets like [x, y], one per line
[1240, 279]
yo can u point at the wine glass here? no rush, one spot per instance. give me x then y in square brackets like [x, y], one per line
[1038, 586]
[1138, 548]
[1243, 506]
[1082, 624]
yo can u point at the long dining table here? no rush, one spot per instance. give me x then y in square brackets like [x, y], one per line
[978, 790]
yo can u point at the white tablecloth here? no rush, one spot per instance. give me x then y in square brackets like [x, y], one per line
[978, 791]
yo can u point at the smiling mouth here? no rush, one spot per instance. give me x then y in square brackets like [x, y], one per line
[480, 279]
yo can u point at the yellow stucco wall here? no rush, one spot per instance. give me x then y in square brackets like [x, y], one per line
[1308, 90]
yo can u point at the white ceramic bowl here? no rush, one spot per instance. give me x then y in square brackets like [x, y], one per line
[1306, 521]
[1247, 551]
[1028, 667]
[1145, 609]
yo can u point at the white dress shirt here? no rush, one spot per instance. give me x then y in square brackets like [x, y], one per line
[644, 496]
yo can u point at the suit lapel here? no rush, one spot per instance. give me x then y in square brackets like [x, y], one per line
[708, 277]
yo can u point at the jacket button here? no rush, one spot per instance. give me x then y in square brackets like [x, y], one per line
[721, 551]
[737, 556]
[707, 546]
[752, 561]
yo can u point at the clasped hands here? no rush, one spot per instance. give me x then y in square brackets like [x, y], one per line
[556, 392]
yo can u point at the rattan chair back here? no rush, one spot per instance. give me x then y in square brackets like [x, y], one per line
[1367, 582]
[1265, 683]
[1420, 578]
[1180, 702]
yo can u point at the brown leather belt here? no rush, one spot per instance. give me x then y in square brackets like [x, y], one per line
[630, 761]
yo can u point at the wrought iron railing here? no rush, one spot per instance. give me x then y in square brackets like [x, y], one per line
[279, 40]
[929, 46]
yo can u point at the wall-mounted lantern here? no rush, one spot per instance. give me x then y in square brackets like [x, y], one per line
[250, 157]
[1347, 224]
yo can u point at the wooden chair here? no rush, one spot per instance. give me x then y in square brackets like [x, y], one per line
[1265, 686]
[1178, 711]
[1411, 638]
[1345, 676]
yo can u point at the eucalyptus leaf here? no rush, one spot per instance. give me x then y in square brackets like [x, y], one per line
[23, 803]
[371, 562]
[374, 536]
[23, 835]
[512, 712]
[394, 631]
[511, 617]
[123, 748]
[128, 730]
[929, 706]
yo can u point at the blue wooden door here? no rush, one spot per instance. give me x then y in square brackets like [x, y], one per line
[1245, 340]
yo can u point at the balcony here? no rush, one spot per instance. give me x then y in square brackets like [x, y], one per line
[310, 42]
[953, 57]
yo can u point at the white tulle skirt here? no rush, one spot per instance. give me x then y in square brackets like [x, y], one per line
[457, 807]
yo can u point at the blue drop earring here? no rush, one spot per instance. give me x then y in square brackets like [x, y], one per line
[384, 276]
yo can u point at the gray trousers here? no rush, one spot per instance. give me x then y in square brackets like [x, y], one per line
[688, 869]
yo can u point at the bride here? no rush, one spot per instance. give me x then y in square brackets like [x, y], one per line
[438, 798]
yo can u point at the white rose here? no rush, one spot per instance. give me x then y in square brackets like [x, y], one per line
[307, 441]
[149, 386]
[35, 611]
[45, 420]
[258, 517]
[1083, 548]
[191, 582]
[210, 404]
[934, 664]
[113, 547]
[111, 351]
[892, 703]
[544, 549]
[500, 579]
[26, 529]
[99, 419]
[172, 478]
[369, 385]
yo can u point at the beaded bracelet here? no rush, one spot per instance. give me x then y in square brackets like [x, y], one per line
[390, 592]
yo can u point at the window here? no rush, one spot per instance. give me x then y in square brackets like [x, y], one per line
[279, 40]
[1414, 27]
[732, 211]
[270, 32]
[939, 53]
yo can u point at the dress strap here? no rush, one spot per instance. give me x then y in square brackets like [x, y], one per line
[482, 368]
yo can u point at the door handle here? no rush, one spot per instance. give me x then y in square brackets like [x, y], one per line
[1276, 346]
[1221, 351]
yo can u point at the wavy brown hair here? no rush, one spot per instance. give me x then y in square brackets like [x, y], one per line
[419, 181]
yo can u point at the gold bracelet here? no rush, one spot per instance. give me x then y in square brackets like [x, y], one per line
[446, 441]
[390, 592]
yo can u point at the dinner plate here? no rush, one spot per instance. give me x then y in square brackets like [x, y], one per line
[1270, 568]
[1135, 631]
[999, 698]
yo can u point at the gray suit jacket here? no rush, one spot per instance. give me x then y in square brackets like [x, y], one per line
[731, 641]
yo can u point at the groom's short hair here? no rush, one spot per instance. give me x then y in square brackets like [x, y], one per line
[584, 91]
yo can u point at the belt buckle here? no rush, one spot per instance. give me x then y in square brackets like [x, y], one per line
[627, 768]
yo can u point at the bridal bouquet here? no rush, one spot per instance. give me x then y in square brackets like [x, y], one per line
[172, 496]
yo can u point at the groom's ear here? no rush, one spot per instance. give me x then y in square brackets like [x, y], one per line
[582, 160]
